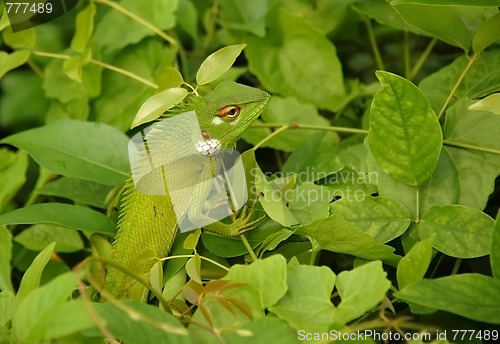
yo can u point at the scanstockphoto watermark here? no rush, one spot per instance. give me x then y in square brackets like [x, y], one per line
[334, 335]
[347, 185]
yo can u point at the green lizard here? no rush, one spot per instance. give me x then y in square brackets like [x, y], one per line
[147, 223]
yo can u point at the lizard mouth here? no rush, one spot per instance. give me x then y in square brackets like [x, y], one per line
[207, 147]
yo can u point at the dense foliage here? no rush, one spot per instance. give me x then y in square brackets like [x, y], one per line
[381, 195]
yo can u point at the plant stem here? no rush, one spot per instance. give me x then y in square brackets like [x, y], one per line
[472, 59]
[270, 136]
[311, 127]
[467, 146]
[192, 255]
[421, 60]
[248, 247]
[138, 20]
[101, 64]
[373, 43]
[456, 266]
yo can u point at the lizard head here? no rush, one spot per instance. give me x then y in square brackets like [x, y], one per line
[228, 111]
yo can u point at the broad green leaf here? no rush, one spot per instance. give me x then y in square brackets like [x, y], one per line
[36, 310]
[441, 22]
[37, 237]
[306, 304]
[360, 289]
[12, 60]
[122, 96]
[482, 79]
[157, 104]
[4, 19]
[263, 331]
[60, 214]
[461, 232]
[170, 77]
[6, 299]
[384, 13]
[350, 184]
[337, 235]
[309, 202]
[405, 136]
[294, 54]
[310, 162]
[495, 249]
[477, 173]
[490, 103]
[449, 2]
[5, 257]
[19, 40]
[257, 275]
[487, 34]
[99, 154]
[141, 321]
[479, 128]
[381, 217]
[78, 190]
[83, 28]
[247, 16]
[73, 67]
[12, 174]
[31, 278]
[218, 63]
[413, 266]
[287, 111]
[70, 317]
[158, 13]
[193, 268]
[472, 296]
[273, 241]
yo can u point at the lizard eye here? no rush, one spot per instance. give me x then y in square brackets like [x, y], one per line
[230, 111]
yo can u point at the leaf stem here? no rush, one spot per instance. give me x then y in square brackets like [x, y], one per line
[192, 255]
[467, 146]
[472, 59]
[421, 60]
[311, 127]
[270, 136]
[138, 20]
[101, 64]
[373, 43]
[248, 247]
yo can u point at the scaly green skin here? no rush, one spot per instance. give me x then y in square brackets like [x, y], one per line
[148, 224]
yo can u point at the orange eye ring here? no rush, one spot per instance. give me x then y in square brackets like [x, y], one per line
[230, 111]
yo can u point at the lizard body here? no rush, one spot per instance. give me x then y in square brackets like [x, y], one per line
[148, 224]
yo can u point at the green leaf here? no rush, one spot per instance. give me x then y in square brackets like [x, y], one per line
[487, 33]
[157, 104]
[310, 162]
[405, 136]
[257, 275]
[6, 300]
[99, 154]
[413, 266]
[139, 322]
[482, 79]
[490, 103]
[477, 173]
[449, 2]
[4, 19]
[381, 217]
[78, 190]
[170, 77]
[19, 40]
[12, 174]
[193, 268]
[263, 331]
[337, 235]
[306, 304]
[31, 278]
[73, 67]
[441, 22]
[70, 317]
[218, 63]
[309, 202]
[360, 289]
[479, 128]
[495, 249]
[384, 13]
[60, 214]
[34, 312]
[294, 54]
[455, 293]
[37, 237]
[12, 60]
[5, 257]
[461, 232]
[83, 28]
[247, 16]
[158, 13]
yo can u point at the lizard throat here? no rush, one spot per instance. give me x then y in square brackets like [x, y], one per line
[207, 147]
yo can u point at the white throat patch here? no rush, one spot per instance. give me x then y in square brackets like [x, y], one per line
[208, 147]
